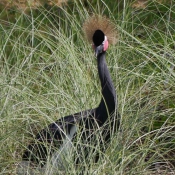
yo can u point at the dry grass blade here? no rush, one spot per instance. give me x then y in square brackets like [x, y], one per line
[24, 5]
[58, 3]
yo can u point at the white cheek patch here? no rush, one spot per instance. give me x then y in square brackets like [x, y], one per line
[105, 44]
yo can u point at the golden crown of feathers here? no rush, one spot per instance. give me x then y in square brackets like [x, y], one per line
[98, 22]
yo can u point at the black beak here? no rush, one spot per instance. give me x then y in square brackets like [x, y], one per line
[98, 50]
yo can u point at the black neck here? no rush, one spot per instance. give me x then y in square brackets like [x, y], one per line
[108, 102]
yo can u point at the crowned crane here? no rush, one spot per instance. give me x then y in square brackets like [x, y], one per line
[99, 30]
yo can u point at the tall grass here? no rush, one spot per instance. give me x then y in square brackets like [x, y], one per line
[48, 70]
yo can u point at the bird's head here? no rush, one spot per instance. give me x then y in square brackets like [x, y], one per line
[101, 31]
[100, 42]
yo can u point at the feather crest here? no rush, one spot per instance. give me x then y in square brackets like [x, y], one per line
[98, 22]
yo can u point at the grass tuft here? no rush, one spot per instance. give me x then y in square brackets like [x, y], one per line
[48, 71]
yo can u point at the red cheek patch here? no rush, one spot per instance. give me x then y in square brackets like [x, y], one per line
[105, 46]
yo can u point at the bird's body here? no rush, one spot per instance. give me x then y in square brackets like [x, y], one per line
[60, 134]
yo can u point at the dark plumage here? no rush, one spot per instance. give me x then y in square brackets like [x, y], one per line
[86, 121]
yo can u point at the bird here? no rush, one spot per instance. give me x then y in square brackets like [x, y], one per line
[99, 31]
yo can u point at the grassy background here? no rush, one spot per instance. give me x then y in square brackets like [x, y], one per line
[48, 70]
